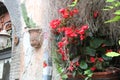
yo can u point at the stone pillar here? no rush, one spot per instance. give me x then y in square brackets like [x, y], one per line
[32, 59]
[16, 19]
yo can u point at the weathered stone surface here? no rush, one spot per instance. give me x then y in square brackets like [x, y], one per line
[15, 15]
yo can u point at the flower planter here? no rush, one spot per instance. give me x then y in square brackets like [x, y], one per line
[36, 37]
[108, 75]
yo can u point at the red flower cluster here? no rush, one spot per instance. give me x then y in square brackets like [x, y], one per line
[55, 23]
[73, 66]
[69, 32]
[66, 13]
[61, 48]
[81, 31]
[93, 60]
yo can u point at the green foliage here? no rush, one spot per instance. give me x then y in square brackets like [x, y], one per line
[113, 5]
[83, 65]
[99, 65]
[116, 18]
[61, 71]
[74, 73]
[29, 22]
[112, 54]
[90, 51]
[117, 12]
[88, 72]
[94, 41]
[73, 3]
[110, 0]
[106, 58]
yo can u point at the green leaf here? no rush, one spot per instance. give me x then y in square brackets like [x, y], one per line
[99, 65]
[90, 51]
[88, 72]
[108, 43]
[83, 65]
[116, 18]
[60, 70]
[112, 54]
[29, 22]
[80, 71]
[109, 7]
[95, 43]
[110, 0]
[116, 4]
[106, 9]
[64, 76]
[73, 3]
[106, 57]
[117, 12]
[87, 78]
[74, 73]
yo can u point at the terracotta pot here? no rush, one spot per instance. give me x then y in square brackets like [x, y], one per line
[36, 37]
[108, 75]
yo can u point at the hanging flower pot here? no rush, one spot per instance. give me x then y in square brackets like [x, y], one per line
[36, 37]
[109, 74]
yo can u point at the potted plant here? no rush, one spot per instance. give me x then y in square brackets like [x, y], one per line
[80, 52]
[36, 36]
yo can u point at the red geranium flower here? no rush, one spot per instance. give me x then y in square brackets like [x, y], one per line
[70, 32]
[61, 51]
[64, 12]
[55, 23]
[84, 27]
[93, 68]
[44, 64]
[70, 68]
[64, 57]
[100, 59]
[75, 11]
[77, 63]
[81, 32]
[60, 44]
[95, 14]
[92, 59]
[82, 37]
